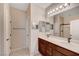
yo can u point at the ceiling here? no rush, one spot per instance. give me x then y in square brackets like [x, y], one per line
[20, 6]
[43, 5]
[24, 6]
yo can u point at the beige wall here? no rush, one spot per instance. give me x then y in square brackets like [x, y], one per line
[37, 14]
[1, 30]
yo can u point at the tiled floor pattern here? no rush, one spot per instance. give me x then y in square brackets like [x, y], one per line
[23, 52]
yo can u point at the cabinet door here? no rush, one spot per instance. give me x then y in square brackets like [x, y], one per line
[42, 48]
[49, 49]
[66, 52]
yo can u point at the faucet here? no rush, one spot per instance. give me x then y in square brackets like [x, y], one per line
[48, 35]
[69, 40]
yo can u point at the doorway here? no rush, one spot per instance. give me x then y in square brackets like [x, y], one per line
[19, 32]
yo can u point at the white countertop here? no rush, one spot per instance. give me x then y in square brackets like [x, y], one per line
[61, 42]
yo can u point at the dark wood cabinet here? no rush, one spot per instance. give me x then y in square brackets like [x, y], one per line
[49, 49]
[42, 46]
[66, 52]
[56, 53]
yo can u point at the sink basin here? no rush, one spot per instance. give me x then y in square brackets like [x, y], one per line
[63, 41]
[59, 39]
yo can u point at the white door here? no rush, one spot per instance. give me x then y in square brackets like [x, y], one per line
[7, 29]
[74, 30]
[19, 27]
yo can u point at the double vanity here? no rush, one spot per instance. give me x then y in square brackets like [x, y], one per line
[57, 46]
[55, 39]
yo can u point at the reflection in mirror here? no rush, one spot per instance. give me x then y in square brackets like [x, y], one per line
[42, 26]
[62, 22]
[45, 27]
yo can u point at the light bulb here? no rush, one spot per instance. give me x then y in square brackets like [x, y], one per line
[65, 4]
[56, 8]
[61, 7]
[50, 11]
[53, 10]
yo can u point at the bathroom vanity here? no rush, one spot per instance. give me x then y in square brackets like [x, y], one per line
[63, 38]
[53, 48]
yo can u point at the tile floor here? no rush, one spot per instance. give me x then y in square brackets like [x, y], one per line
[23, 52]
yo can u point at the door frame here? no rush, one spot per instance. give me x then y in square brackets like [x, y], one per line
[6, 29]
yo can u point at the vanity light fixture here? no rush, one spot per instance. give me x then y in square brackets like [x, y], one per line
[50, 11]
[61, 7]
[56, 8]
[53, 10]
[65, 4]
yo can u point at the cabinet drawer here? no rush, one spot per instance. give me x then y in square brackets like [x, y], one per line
[49, 51]
[65, 51]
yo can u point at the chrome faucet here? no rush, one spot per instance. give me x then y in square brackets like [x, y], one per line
[48, 35]
[69, 40]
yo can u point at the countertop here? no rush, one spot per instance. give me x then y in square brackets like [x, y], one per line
[61, 42]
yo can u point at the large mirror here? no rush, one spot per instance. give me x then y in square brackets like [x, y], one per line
[62, 22]
[45, 27]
